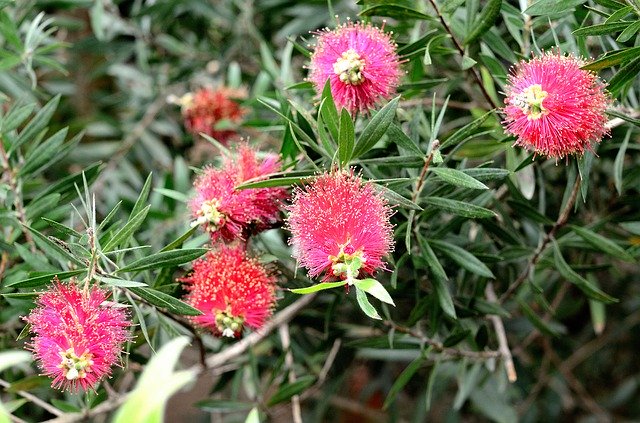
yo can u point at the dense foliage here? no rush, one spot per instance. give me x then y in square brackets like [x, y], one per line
[509, 291]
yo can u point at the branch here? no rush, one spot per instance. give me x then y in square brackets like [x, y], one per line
[460, 49]
[285, 338]
[45, 405]
[498, 326]
[562, 220]
[439, 347]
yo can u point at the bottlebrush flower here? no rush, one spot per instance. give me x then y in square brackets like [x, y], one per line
[554, 107]
[336, 220]
[78, 337]
[207, 108]
[231, 290]
[230, 213]
[361, 62]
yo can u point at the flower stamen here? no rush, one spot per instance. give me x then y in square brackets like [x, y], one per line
[349, 67]
[530, 102]
[73, 366]
[209, 215]
[227, 324]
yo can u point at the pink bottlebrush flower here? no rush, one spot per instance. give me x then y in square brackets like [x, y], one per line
[234, 214]
[231, 290]
[361, 62]
[205, 109]
[337, 219]
[554, 107]
[78, 337]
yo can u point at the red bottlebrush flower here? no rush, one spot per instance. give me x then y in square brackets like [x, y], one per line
[205, 109]
[337, 220]
[78, 337]
[361, 62]
[234, 214]
[231, 290]
[554, 107]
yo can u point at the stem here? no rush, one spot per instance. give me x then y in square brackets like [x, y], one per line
[562, 220]
[498, 326]
[45, 405]
[439, 347]
[460, 49]
[285, 338]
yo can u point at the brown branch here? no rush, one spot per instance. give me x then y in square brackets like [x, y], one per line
[585, 398]
[460, 49]
[440, 348]
[498, 326]
[212, 363]
[285, 338]
[29, 397]
[562, 220]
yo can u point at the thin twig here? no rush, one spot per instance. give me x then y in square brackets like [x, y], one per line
[587, 400]
[237, 349]
[562, 220]
[285, 338]
[45, 405]
[460, 49]
[439, 347]
[498, 326]
[132, 138]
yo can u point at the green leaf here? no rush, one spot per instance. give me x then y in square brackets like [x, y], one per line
[287, 390]
[37, 124]
[463, 258]
[318, 287]
[177, 243]
[396, 199]
[402, 380]
[16, 116]
[62, 228]
[431, 259]
[54, 248]
[329, 111]
[601, 29]
[346, 137]
[365, 305]
[536, 321]
[273, 182]
[550, 7]
[488, 16]
[158, 382]
[603, 244]
[253, 416]
[374, 288]
[460, 208]
[44, 153]
[628, 33]
[143, 197]
[627, 73]
[121, 283]
[217, 406]
[171, 193]
[164, 259]
[394, 11]
[457, 178]
[44, 279]
[618, 164]
[613, 58]
[376, 128]
[123, 236]
[570, 275]
[444, 296]
[466, 131]
[396, 135]
[160, 299]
